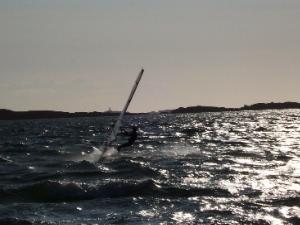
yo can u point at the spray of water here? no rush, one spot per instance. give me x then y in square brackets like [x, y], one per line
[99, 153]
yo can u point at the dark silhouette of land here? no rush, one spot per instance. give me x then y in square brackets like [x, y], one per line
[48, 114]
[272, 105]
[257, 106]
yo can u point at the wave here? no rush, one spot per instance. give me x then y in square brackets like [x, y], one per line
[4, 160]
[261, 129]
[131, 168]
[294, 220]
[223, 142]
[51, 191]
[290, 201]
[82, 166]
[81, 169]
[17, 221]
[14, 221]
[124, 168]
[241, 153]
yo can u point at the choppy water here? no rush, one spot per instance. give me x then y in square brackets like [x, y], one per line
[207, 168]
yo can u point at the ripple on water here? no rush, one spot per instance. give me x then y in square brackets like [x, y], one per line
[206, 168]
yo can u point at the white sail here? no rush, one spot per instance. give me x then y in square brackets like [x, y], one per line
[118, 124]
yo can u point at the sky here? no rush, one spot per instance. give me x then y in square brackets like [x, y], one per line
[84, 55]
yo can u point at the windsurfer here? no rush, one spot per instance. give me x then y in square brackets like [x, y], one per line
[132, 137]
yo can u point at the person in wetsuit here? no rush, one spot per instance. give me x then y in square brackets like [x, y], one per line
[132, 137]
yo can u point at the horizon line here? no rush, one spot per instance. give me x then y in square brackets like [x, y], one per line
[160, 110]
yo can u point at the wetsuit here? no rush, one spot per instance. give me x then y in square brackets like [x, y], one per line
[133, 136]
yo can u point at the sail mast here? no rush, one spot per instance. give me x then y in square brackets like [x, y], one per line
[116, 128]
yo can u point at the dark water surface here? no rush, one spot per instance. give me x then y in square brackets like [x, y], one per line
[207, 168]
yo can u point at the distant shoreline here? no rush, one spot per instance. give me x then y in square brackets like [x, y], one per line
[6, 114]
[257, 106]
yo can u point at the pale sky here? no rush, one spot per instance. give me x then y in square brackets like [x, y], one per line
[84, 55]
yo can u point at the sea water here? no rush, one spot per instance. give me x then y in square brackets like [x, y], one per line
[206, 168]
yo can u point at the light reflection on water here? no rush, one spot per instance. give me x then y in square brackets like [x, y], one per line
[183, 217]
[207, 168]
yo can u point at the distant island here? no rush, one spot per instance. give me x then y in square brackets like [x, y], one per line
[6, 114]
[48, 114]
[257, 106]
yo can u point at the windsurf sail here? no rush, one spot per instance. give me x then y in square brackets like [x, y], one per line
[113, 136]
